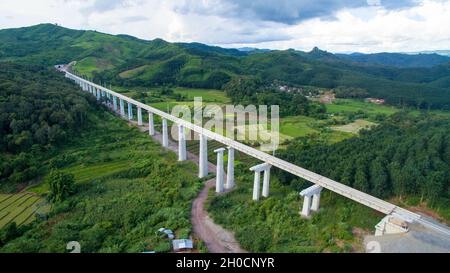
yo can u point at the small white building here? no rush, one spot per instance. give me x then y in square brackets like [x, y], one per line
[182, 244]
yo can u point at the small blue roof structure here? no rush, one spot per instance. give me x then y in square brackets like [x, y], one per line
[168, 232]
[182, 244]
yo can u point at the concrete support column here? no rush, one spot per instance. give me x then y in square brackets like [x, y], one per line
[115, 103]
[165, 134]
[181, 144]
[230, 169]
[264, 167]
[139, 114]
[266, 182]
[151, 124]
[311, 200]
[130, 111]
[203, 157]
[256, 186]
[219, 172]
[315, 202]
[306, 212]
[98, 94]
[122, 108]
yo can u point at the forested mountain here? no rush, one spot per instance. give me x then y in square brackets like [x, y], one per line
[39, 110]
[128, 61]
[397, 59]
[406, 156]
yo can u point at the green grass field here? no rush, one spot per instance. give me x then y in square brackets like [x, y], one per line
[19, 208]
[302, 126]
[350, 105]
[297, 126]
[208, 95]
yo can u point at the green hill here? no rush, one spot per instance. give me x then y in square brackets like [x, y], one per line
[128, 61]
[398, 59]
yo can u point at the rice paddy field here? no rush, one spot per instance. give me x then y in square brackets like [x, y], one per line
[19, 208]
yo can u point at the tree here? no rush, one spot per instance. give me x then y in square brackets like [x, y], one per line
[435, 185]
[8, 233]
[62, 185]
[361, 180]
[379, 178]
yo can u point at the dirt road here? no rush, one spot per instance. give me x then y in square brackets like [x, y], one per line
[216, 238]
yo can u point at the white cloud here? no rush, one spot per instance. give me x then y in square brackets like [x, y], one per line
[371, 28]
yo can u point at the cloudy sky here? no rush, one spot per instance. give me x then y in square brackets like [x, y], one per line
[336, 26]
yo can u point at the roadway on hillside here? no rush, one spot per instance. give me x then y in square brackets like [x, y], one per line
[216, 238]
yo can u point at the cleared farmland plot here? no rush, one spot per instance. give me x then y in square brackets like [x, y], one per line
[355, 127]
[19, 208]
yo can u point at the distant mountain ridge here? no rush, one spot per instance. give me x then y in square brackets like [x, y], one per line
[439, 52]
[397, 59]
[129, 61]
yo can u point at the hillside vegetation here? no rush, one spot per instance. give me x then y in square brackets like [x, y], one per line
[406, 157]
[39, 111]
[126, 186]
[127, 61]
[398, 59]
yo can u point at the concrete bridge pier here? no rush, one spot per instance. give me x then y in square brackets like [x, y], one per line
[98, 94]
[266, 181]
[220, 171]
[165, 134]
[230, 169]
[130, 111]
[256, 186]
[264, 167]
[139, 116]
[122, 108]
[115, 103]
[151, 124]
[203, 157]
[181, 144]
[311, 200]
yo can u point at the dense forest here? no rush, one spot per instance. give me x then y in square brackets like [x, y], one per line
[127, 61]
[39, 110]
[405, 156]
